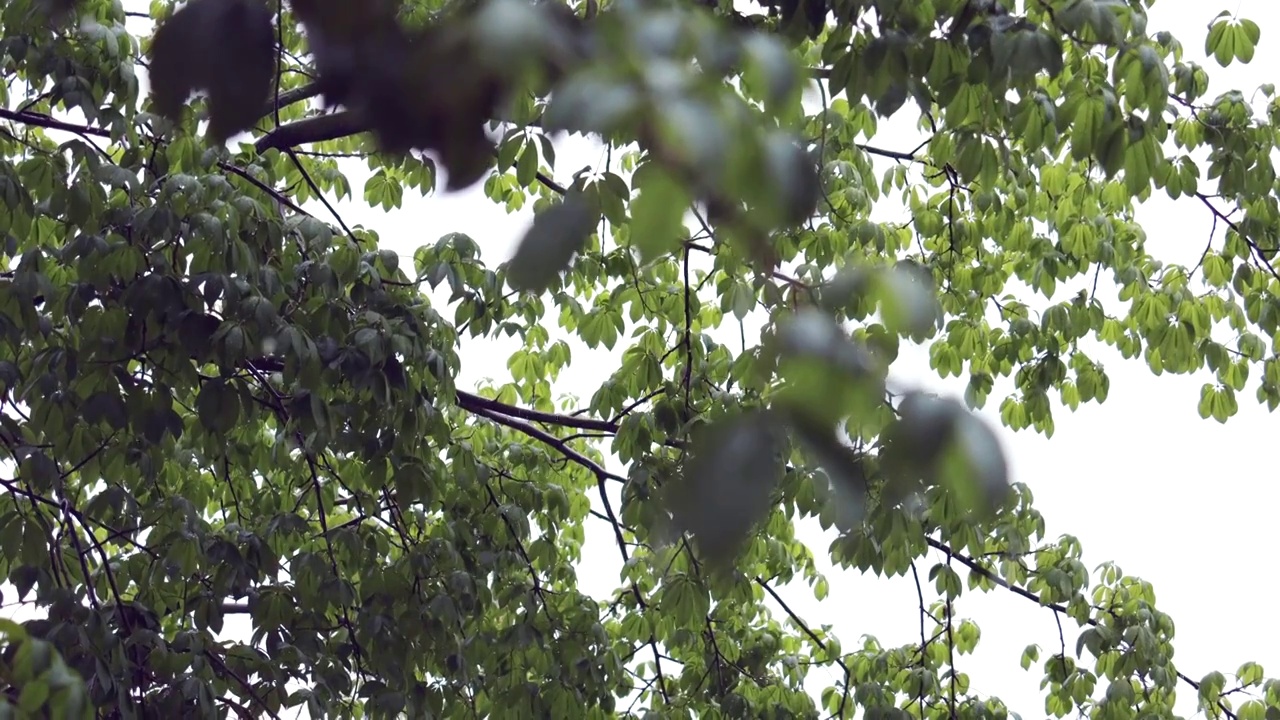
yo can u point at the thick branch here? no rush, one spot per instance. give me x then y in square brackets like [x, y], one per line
[289, 97]
[36, 119]
[543, 436]
[516, 418]
[319, 128]
[475, 403]
[891, 154]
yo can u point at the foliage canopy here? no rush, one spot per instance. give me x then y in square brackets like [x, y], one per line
[218, 404]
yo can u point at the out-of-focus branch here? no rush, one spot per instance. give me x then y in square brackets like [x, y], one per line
[320, 128]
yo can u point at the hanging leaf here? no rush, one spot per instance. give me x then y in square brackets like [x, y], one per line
[727, 486]
[938, 441]
[909, 300]
[793, 175]
[843, 468]
[826, 375]
[217, 406]
[771, 69]
[557, 234]
[657, 215]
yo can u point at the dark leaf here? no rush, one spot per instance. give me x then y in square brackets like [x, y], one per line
[223, 47]
[40, 470]
[794, 174]
[196, 332]
[466, 158]
[892, 99]
[57, 9]
[217, 406]
[23, 578]
[734, 467]
[179, 58]
[557, 234]
[940, 442]
[241, 83]
[845, 469]
[108, 406]
[431, 92]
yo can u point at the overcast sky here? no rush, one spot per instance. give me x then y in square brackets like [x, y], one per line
[1141, 480]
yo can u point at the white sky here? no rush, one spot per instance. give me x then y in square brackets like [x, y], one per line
[1141, 480]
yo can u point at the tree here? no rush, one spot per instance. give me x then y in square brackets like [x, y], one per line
[217, 404]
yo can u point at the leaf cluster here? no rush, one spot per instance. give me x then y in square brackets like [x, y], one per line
[242, 478]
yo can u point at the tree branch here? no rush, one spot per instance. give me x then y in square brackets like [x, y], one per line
[35, 119]
[543, 436]
[289, 97]
[1257, 251]
[315, 129]
[804, 627]
[976, 567]
[475, 403]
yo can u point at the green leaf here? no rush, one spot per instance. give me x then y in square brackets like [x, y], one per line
[33, 696]
[383, 190]
[657, 215]
[527, 167]
[225, 396]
